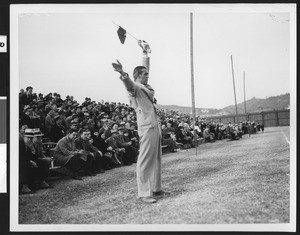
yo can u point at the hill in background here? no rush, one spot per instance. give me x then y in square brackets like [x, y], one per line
[253, 105]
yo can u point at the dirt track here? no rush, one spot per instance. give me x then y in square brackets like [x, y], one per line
[228, 182]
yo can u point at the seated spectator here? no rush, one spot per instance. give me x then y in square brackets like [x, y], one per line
[49, 121]
[39, 163]
[107, 151]
[232, 132]
[131, 153]
[134, 136]
[238, 130]
[221, 131]
[58, 131]
[188, 130]
[168, 140]
[74, 125]
[82, 142]
[30, 117]
[43, 162]
[182, 137]
[92, 125]
[105, 129]
[25, 115]
[207, 135]
[100, 143]
[67, 155]
[114, 143]
[26, 172]
[170, 128]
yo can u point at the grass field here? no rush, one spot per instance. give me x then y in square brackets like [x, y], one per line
[228, 182]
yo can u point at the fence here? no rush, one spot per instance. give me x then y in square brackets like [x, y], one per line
[268, 118]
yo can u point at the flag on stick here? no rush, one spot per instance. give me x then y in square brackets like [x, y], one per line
[122, 34]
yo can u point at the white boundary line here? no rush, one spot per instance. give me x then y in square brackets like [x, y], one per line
[286, 139]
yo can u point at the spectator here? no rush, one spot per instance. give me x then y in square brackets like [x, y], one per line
[114, 143]
[182, 137]
[232, 132]
[58, 131]
[133, 136]
[25, 164]
[207, 135]
[66, 154]
[168, 140]
[130, 155]
[49, 121]
[39, 163]
[26, 98]
[108, 153]
[93, 154]
[42, 161]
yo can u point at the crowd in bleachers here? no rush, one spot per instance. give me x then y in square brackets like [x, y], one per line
[92, 137]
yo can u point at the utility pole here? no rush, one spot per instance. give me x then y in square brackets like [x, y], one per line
[236, 112]
[192, 81]
[245, 94]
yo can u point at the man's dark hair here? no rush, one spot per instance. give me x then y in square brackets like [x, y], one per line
[83, 130]
[29, 87]
[137, 71]
[70, 131]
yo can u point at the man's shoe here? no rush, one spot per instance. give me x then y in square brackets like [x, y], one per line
[161, 193]
[44, 185]
[148, 199]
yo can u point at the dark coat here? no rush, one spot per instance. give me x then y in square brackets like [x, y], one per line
[64, 151]
[85, 145]
[24, 163]
[25, 99]
[57, 132]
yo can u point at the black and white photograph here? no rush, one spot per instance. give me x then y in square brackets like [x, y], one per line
[152, 117]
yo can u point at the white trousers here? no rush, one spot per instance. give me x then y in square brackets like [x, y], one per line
[148, 166]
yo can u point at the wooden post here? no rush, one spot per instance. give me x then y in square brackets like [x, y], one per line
[236, 112]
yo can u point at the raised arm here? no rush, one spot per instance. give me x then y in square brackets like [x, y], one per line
[124, 76]
[146, 60]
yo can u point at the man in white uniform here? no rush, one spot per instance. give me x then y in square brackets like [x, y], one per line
[141, 96]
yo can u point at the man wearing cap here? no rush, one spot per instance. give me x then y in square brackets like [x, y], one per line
[130, 154]
[38, 161]
[41, 160]
[113, 143]
[25, 164]
[66, 154]
[93, 155]
[141, 97]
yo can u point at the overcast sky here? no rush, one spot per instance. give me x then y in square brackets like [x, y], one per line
[69, 50]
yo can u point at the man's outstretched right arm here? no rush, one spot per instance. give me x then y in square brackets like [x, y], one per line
[124, 76]
[127, 82]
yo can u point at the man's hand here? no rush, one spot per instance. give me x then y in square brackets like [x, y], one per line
[145, 46]
[118, 67]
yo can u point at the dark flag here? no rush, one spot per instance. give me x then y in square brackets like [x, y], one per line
[122, 34]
